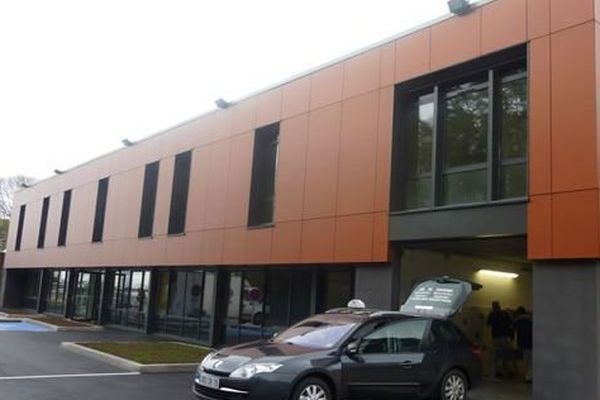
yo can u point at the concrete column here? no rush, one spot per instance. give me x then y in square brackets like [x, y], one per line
[566, 322]
[378, 285]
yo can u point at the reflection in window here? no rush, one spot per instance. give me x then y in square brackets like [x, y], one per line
[129, 298]
[513, 136]
[397, 337]
[417, 178]
[464, 176]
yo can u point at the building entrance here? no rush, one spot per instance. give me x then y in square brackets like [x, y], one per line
[87, 296]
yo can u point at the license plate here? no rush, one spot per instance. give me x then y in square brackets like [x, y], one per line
[209, 381]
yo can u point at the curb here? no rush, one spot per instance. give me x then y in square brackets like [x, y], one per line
[52, 327]
[127, 364]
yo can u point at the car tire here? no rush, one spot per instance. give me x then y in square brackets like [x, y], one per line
[312, 389]
[454, 386]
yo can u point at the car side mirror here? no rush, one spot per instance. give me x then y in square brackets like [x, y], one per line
[352, 348]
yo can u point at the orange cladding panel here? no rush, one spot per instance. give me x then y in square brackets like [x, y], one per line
[217, 184]
[574, 126]
[318, 240]
[198, 190]
[575, 225]
[568, 13]
[456, 40]
[268, 108]
[258, 246]
[384, 149]
[354, 238]
[538, 18]
[540, 130]
[539, 227]
[289, 190]
[234, 248]
[361, 73]
[322, 161]
[295, 98]
[287, 238]
[413, 55]
[240, 170]
[326, 86]
[496, 31]
[358, 154]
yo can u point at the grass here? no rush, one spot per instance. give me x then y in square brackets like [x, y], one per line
[152, 352]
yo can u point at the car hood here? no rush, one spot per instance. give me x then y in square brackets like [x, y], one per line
[230, 358]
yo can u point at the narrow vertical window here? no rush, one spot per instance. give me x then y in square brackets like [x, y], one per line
[64, 218]
[512, 129]
[100, 210]
[43, 223]
[420, 123]
[179, 192]
[20, 228]
[264, 166]
[148, 200]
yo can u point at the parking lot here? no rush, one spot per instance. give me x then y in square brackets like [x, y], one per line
[33, 366]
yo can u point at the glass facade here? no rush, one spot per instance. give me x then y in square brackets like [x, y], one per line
[463, 141]
[263, 302]
[129, 298]
[185, 304]
[86, 302]
[56, 292]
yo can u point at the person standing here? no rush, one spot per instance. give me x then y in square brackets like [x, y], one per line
[500, 323]
[523, 328]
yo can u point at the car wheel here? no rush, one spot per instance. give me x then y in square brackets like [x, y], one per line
[454, 386]
[312, 389]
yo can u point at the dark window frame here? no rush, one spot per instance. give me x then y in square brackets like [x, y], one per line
[64, 218]
[179, 193]
[261, 208]
[20, 227]
[496, 67]
[43, 223]
[148, 204]
[100, 213]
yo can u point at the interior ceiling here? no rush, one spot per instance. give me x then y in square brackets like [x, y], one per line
[512, 249]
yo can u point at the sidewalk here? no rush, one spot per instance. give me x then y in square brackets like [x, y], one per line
[492, 390]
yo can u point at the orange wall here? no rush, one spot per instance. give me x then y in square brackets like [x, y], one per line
[335, 146]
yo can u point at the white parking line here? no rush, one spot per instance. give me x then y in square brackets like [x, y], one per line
[32, 377]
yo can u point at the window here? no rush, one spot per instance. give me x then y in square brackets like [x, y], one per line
[403, 336]
[20, 228]
[148, 200]
[179, 193]
[185, 303]
[55, 300]
[64, 218]
[100, 210]
[462, 141]
[129, 298]
[43, 223]
[264, 166]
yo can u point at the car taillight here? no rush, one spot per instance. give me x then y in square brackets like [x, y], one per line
[476, 350]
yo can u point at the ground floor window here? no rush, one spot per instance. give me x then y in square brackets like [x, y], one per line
[185, 303]
[55, 298]
[263, 302]
[86, 302]
[129, 298]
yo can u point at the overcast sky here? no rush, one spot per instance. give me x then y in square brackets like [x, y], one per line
[78, 76]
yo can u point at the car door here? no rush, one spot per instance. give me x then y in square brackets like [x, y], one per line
[386, 364]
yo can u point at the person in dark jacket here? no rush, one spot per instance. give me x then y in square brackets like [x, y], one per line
[523, 328]
[501, 325]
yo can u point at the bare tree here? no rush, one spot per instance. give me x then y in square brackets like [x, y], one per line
[8, 187]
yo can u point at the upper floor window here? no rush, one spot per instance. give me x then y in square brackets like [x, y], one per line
[462, 141]
[101, 197]
[148, 200]
[20, 227]
[179, 192]
[43, 223]
[264, 166]
[64, 218]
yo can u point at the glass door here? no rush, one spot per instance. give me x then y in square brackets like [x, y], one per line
[87, 296]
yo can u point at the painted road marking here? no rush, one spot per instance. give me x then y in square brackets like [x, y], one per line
[61, 376]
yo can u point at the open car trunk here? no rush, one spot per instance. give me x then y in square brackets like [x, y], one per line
[438, 298]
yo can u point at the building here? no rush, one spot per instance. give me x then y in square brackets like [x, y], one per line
[467, 144]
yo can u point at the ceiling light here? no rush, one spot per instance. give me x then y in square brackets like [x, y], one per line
[499, 274]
